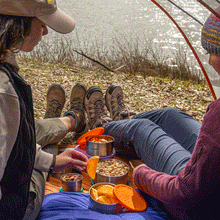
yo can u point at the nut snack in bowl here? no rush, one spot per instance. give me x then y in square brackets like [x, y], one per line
[112, 171]
[71, 182]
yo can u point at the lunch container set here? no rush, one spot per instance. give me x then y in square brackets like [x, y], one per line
[104, 150]
[124, 194]
[91, 145]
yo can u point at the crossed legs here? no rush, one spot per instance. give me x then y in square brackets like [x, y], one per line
[164, 139]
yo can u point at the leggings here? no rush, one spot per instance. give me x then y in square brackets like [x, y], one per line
[163, 139]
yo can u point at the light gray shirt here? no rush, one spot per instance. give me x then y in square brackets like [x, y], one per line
[9, 125]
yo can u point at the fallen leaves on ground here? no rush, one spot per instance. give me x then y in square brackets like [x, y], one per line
[140, 94]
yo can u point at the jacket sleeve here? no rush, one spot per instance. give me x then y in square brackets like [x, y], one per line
[43, 160]
[200, 176]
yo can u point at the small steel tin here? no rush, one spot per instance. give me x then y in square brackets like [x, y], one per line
[101, 149]
[122, 179]
[71, 186]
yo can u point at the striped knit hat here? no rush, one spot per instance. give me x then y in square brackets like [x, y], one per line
[211, 34]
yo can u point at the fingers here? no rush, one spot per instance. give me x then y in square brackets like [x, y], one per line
[71, 158]
[79, 165]
[81, 169]
[78, 162]
[77, 155]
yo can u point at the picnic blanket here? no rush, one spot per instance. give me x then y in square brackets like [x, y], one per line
[76, 206]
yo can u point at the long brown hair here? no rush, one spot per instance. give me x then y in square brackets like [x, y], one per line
[13, 31]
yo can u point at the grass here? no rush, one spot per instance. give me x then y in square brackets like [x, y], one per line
[127, 57]
[140, 94]
[148, 81]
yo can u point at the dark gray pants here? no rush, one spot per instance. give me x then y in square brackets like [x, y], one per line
[48, 133]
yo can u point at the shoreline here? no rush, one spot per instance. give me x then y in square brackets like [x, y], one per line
[140, 94]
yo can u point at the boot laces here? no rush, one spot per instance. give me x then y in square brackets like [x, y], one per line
[76, 104]
[54, 109]
[97, 111]
[119, 108]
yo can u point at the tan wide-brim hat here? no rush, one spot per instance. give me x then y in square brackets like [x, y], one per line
[45, 10]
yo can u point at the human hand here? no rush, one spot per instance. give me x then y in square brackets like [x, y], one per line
[139, 166]
[135, 163]
[70, 158]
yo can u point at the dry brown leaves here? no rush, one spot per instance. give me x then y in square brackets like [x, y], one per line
[139, 94]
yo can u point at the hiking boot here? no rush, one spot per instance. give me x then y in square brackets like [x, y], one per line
[55, 101]
[114, 100]
[76, 107]
[95, 108]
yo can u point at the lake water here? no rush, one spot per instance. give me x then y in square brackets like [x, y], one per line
[100, 22]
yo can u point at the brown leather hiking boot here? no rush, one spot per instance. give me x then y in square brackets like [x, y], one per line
[76, 107]
[95, 108]
[114, 101]
[55, 101]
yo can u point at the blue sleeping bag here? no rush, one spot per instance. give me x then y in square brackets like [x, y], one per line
[75, 206]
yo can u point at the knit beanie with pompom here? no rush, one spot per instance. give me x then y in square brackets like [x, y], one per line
[210, 38]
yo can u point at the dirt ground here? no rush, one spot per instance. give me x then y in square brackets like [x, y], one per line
[140, 94]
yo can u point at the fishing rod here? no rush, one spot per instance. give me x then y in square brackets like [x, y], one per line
[191, 47]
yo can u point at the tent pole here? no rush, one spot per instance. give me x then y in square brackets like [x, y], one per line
[191, 47]
[209, 8]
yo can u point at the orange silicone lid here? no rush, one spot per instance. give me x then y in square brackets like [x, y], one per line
[130, 198]
[96, 131]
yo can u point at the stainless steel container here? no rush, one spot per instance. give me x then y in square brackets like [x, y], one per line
[104, 208]
[101, 149]
[113, 179]
[71, 186]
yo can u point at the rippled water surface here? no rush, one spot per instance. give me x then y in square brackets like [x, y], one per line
[100, 22]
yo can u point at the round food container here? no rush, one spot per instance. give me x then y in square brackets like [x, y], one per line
[99, 145]
[71, 182]
[109, 198]
[101, 207]
[112, 171]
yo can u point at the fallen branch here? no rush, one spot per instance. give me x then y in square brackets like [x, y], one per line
[96, 61]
